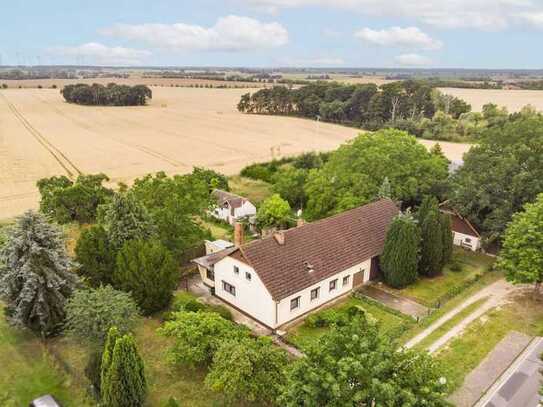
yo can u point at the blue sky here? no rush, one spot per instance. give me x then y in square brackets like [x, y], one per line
[272, 33]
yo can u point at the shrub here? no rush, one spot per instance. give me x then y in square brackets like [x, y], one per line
[455, 266]
[95, 256]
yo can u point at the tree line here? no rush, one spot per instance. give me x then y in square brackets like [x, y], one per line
[110, 95]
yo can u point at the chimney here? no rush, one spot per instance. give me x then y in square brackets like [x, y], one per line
[300, 222]
[238, 234]
[279, 237]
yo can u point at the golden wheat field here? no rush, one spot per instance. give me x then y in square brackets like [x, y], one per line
[41, 135]
[513, 100]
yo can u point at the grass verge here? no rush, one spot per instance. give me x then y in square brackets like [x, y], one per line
[254, 190]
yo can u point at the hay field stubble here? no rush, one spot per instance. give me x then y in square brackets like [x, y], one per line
[41, 135]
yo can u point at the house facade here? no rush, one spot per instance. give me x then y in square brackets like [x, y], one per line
[231, 207]
[286, 275]
[465, 235]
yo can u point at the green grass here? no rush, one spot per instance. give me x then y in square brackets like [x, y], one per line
[485, 280]
[428, 290]
[465, 353]
[254, 190]
[218, 230]
[27, 371]
[451, 323]
[303, 335]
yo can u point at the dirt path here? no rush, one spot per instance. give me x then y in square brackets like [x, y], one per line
[497, 294]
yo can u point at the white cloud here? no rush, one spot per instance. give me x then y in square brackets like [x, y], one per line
[480, 14]
[100, 54]
[312, 62]
[409, 37]
[533, 19]
[412, 60]
[230, 33]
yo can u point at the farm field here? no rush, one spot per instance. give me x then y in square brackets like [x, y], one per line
[41, 136]
[513, 100]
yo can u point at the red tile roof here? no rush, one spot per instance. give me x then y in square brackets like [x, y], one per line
[222, 197]
[328, 247]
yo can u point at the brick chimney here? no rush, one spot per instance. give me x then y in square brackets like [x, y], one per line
[300, 222]
[279, 237]
[238, 234]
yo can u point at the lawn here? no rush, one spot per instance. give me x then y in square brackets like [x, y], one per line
[254, 190]
[304, 335]
[217, 229]
[28, 371]
[465, 353]
[428, 291]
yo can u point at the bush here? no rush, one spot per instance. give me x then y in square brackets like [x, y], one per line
[455, 266]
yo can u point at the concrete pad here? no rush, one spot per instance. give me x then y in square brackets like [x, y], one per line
[402, 304]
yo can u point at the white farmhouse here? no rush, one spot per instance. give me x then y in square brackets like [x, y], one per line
[464, 233]
[231, 207]
[284, 276]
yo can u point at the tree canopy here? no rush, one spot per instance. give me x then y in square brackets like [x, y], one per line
[66, 201]
[354, 365]
[110, 95]
[95, 256]
[273, 212]
[355, 172]
[500, 174]
[90, 313]
[35, 274]
[521, 256]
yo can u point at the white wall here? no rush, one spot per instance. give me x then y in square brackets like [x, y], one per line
[459, 239]
[247, 209]
[203, 275]
[306, 305]
[251, 297]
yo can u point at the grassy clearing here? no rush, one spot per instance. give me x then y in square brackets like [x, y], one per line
[465, 353]
[28, 371]
[303, 335]
[218, 230]
[428, 290]
[447, 326]
[254, 190]
[485, 280]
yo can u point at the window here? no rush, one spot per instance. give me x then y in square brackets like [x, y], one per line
[333, 285]
[295, 303]
[210, 275]
[467, 240]
[236, 270]
[248, 276]
[315, 293]
[229, 288]
[345, 280]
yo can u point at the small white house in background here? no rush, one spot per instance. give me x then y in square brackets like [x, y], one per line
[231, 207]
[282, 277]
[464, 233]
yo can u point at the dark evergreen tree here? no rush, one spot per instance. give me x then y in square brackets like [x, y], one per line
[147, 270]
[431, 261]
[447, 236]
[123, 381]
[96, 256]
[400, 258]
[35, 274]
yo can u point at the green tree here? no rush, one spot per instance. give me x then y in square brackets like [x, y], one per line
[125, 218]
[147, 270]
[211, 178]
[123, 382]
[500, 174]
[107, 353]
[289, 184]
[354, 173]
[248, 370]
[35, 274]
[96, 256]
[273, 212]
[400, 258]
[431, 260]
[353, 365]
[91, 313]
[66, 201]
[447, 238]
[198, 335]
[385, 190]
[521, 256]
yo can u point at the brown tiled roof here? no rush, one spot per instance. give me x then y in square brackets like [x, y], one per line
[328, 246]
[222, 197]
[210, 260]
[459, 224]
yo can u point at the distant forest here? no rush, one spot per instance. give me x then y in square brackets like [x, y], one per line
[110, 95]
[408, 105]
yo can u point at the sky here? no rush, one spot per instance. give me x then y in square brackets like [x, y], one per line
[493, 34]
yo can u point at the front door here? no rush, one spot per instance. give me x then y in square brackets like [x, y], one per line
[358, 278]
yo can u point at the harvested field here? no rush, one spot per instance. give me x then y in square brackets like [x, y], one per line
[41, 135]
[513, 100]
